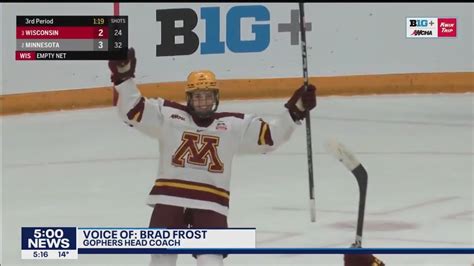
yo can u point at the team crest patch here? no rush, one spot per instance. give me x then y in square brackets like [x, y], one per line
[221, 126]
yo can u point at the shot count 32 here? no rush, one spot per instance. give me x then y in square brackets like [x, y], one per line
[71, 37]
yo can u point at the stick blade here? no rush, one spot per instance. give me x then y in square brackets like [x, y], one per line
[342, 153]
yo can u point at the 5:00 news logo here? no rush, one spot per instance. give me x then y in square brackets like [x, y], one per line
[431, 27]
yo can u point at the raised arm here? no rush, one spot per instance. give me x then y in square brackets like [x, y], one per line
[260, 136]
[135, 110]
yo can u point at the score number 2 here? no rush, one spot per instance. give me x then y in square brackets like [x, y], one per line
[100, 33]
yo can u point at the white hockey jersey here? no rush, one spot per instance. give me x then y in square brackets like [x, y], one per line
[195, 159]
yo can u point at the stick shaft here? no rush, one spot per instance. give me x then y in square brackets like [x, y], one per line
[307, 118]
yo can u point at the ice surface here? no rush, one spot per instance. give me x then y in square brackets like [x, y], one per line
[87, 168]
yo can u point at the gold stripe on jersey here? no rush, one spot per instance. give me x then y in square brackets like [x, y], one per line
[263, 131]
[192, 187]
[135, 118]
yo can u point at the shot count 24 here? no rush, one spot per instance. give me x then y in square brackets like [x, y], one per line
[71, 37]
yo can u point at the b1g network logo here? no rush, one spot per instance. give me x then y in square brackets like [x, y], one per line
[180, 35]
[431, 27]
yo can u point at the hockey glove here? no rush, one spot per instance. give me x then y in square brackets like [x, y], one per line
[123, 69]
[301, 101]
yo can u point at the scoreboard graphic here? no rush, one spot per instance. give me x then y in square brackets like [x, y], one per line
[71, 37]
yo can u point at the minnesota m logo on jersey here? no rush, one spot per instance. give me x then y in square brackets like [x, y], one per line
[198, 150]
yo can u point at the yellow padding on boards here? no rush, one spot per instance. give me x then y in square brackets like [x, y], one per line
[235, 89]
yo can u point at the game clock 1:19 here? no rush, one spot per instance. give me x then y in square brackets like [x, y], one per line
[99, 21]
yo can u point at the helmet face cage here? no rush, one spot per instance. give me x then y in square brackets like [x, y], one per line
[189, 96]
[202, 80]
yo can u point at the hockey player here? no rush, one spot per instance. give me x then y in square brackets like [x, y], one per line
[197, 145]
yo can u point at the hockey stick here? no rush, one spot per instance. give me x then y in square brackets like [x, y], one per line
[312, 205]
[345, 156]
[114, 91]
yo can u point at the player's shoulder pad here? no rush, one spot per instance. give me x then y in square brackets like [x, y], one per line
[175, 105]
[229, 114]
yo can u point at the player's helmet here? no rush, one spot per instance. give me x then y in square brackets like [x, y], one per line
[202, 80]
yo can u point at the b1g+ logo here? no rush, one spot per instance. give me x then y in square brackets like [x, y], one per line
[179, 35]
[421, 28]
